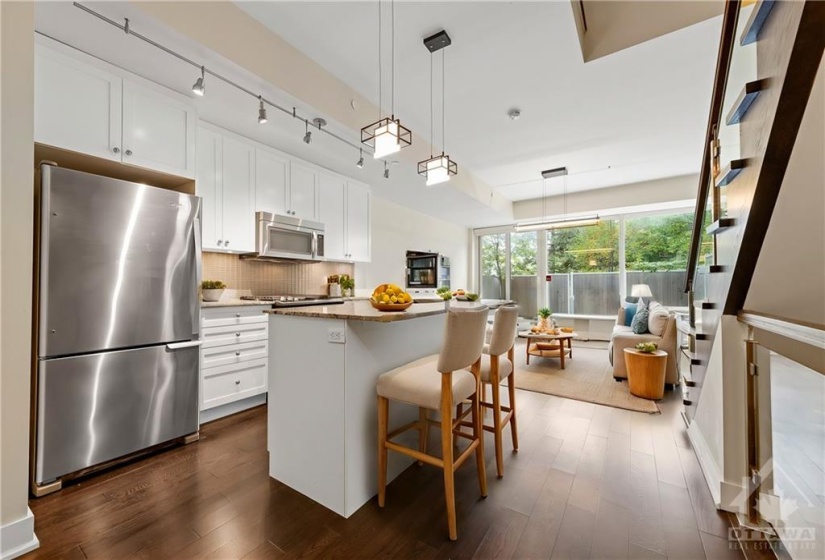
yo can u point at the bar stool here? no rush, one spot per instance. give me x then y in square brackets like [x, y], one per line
[437, 383]
[495, 368]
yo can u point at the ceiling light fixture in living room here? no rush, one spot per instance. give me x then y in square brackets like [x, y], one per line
[564, 222]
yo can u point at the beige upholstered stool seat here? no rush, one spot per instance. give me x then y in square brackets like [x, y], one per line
[419, 383]
[505, 368]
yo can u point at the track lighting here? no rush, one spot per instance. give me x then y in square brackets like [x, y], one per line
[308, 135]
[386, 171]
[261, 111]
[360, 164]
[199, 88]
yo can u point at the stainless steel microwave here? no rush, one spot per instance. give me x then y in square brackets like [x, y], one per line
[285, 237]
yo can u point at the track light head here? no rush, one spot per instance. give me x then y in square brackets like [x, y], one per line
[360, 164]
[308, 137]
[386, 171]
[261, 111]
[199, 87]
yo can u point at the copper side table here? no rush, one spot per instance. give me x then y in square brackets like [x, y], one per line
[646, 373]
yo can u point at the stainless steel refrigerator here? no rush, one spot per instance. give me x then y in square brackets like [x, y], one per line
[118, 320]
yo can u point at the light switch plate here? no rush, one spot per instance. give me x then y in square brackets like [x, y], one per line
[337, 335]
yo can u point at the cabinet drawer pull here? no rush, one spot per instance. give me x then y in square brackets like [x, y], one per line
[128, 152]
[220, 242]
[226, 243]
[237, 334]
[237, 314]
[238, 353]
[116, 150]
[237, 382]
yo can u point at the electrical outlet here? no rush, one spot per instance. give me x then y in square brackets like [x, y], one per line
[337, 336]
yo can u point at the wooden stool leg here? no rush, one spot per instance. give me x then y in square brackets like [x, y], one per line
[511, 389]
[561, 354]
[447, 451]
[383, 417]
[478, 432]
[496, 390]
[423, 431]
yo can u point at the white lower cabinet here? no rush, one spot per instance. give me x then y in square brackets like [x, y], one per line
[234, 356]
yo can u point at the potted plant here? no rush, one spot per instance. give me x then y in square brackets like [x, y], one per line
[647, 347]
[446, 296]
[212, 290]
[544, 315]
[347, 284]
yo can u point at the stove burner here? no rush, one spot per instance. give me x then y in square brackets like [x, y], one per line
[294, 301]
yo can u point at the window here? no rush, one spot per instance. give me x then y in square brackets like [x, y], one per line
[493, 253]
[523, 272]
[583, 264]
[656, 254]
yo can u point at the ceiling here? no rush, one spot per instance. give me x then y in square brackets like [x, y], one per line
[635, 115]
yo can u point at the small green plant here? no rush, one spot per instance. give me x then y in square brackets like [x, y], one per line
[446, 295]
[647, 347]
[545, 312]
[212, 285]
[443, 290]
[347, 282]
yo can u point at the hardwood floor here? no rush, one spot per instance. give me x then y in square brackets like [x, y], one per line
[589, 482]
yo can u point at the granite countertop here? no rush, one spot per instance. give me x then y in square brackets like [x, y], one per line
[362, 311]
[234, 302]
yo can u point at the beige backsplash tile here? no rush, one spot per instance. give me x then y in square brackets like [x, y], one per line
[265, 278]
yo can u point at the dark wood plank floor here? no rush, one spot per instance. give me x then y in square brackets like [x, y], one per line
[589, 482]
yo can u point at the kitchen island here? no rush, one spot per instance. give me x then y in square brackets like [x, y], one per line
[322, 413]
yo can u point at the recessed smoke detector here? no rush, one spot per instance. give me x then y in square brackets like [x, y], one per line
[514, 114]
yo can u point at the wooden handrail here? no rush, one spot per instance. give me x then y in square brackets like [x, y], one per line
[719, 84]
[811, 334]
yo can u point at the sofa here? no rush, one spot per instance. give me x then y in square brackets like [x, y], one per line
[624, 337]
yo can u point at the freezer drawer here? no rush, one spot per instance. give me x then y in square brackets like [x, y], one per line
[95, 408]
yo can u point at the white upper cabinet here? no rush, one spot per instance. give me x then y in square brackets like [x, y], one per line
[271, 181]
[87, 106]
[76, 106]
[358, 222]
[158, 131]
[209, 187]
[332, 214]
[303, 191]
[226, 183]
[238, 195]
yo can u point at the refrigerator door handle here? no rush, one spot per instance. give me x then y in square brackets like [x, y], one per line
[196, 315]
[182, 345]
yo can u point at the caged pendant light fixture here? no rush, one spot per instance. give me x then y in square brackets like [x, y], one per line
[437, 169]
[386, 135]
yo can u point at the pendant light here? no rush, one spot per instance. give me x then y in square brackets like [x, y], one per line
[437, 169]
[386, 135]
[564, 222]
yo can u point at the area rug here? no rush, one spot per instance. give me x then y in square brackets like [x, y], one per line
[587, 377]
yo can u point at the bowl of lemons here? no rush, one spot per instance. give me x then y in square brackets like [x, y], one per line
[389, 297]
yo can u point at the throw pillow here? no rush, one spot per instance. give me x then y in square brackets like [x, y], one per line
[629, 312]
[657, 319]
[639, 324]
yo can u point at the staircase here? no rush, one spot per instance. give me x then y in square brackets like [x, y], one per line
[768, 58]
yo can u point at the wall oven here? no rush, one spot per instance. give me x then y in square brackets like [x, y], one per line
[427, 271]
[285, 237]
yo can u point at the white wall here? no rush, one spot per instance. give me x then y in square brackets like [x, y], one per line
[396, 229]
[615, 200]
[789, 279]
[16, 238]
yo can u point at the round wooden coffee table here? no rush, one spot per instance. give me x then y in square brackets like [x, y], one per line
[549, 345]
[646, 373]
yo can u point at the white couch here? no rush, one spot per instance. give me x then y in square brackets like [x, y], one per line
[624, 337]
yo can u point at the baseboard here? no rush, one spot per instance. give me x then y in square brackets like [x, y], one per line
[710, 469]
[18, 538]
[231, 408]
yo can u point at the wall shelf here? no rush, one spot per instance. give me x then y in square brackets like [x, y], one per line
[720, 225]
[755, 23]
[743, 103]
[730, 172]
